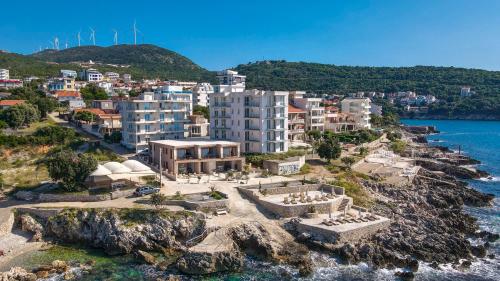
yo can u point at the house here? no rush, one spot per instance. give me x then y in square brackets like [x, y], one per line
[338, 122]
[315, 113]
[10, 83]
[68, 73]
[195, 157]
[112, 76]
[61, 84]
[201, 93]
[91, 75]
[197, 127]
[73, 98]
[359, 109]
[108, 106]
[296, 123]
[4, 104]
[4, 74]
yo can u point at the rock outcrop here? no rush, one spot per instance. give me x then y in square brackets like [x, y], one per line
[206, 262]
[119, 231]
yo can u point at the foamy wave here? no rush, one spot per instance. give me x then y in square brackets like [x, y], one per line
[490, 179]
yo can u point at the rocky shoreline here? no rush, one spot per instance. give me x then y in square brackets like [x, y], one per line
[428, 222]
[428, 225]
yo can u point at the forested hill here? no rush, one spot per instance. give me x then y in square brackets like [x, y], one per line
[443, 82]
[142, 61]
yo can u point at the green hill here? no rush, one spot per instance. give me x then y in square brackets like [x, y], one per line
[443, 82]
[142, 61]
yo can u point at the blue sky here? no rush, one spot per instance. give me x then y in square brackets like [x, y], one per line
[219, 34]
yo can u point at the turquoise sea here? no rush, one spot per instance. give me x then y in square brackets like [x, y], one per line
[480, 140]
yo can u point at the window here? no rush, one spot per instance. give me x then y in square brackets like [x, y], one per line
[162, 116]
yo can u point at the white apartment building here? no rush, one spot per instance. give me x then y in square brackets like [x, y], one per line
[91, 75]
[257, 119]
[112, 76]
[201, 94]
[315, 114]
[65, 73]
[4, 74]
[359, 110]
[155, 116]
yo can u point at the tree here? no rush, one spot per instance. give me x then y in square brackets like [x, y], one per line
[55, 134]
[20, 115]
[329, 149]
[158, 199]
[202, 110]
[348, 161]
[85, 116]
[45, 105]
[314, 134]
[363, 151]
[93, 92]
[70, 169]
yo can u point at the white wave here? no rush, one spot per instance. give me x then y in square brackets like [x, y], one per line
[490, 179]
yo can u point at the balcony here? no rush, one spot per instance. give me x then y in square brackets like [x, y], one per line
[252, 139]
[221, 104]
[296, 121]
[252, 128]
[252, 115]
[277, 104]
[252, 104]
[296, 131]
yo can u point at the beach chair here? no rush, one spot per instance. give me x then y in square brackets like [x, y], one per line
[316, 197]
[285, 200]
[309, 199]
[221, 212]
[293, 201]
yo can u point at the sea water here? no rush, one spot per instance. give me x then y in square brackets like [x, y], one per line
[478, 139]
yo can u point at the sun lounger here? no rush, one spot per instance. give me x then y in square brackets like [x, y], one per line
[309, 199]
[220, 212]
[285, 200]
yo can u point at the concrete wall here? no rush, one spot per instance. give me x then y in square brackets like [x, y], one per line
[294, 187]
[287, 167]
[72, 198]
[39, 212]
[200, 205]
[341, 237]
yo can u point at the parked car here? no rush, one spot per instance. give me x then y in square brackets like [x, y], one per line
[146, 190]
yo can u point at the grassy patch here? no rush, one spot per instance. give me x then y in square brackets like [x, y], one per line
[35, 126]
[105, 155]
[306, 169]
[257, 159]
[353, 189]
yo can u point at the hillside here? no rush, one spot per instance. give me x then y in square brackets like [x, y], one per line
[443, 82]
[142, 61]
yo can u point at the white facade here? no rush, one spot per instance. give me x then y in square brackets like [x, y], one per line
[359, 109]
[155, 116]
[201, 94]
[257, 119]
[112, 76]
[4, 74]
[91, 75]
[65, 73]
[315, 114]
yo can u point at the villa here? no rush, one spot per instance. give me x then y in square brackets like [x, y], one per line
[195, 157]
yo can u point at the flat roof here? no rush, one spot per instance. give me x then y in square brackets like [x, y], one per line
[180, 143]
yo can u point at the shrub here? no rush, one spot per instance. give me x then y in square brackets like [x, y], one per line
[398, 146]
[306, 169]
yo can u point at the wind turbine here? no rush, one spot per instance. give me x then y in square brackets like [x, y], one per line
[115, 37]
[135, 33]
[66, 44]
[52, 43]
[92, 35]
[79, 38]
[56, 43]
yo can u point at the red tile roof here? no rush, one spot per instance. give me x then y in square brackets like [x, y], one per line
[67, 94]
[293, 109]
[10, 102]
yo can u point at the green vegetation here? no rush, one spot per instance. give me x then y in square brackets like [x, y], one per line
[353, 189]
[115, 137]
[33, 95]
[216, 195]
[357, 137]
[93, 92]
[348, 161]
[329, 149]
[158, 200]
[104, 155]
[442, 82]
[85, 116]
[70, 169]
[202, 110]
[145, 61]
[306, 169]
[20, 115]
[398, 146]
[257, 159]
[387, 119]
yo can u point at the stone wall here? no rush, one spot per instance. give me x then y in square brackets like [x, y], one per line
[285, 167]
[121, 193]
[295, 187]
[72, 198]
[201, 205]
[43, 213]
[6, 226]
[345, 236]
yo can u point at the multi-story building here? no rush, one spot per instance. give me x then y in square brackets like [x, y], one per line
[197, 127]
[10, 83]
[108, 106]
[201, 93]
[91, 75]
[195, 157]
[338, 122]
[155, 116]
[61, 84]
[112, 76]
[296, 123]
[257, 119]
[65, 73]
[359, 110]
[315, 113]
[4, 74]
